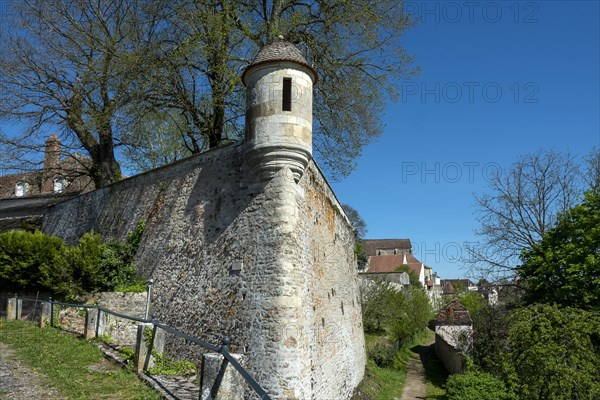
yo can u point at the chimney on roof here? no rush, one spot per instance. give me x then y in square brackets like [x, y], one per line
[52, 156]
[51, 163]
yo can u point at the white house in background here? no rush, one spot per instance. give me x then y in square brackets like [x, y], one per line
[386, 256]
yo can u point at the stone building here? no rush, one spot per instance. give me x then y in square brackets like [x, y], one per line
[386, 256]
[247, 241]
[455, 286]
[25, 197]
[453, 336]
[387, 247]
[58, 176]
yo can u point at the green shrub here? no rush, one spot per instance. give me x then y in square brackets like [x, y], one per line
[553, 353]
[411, 316]
[35, 261]
[29, 261]
[382, 354]
[477, 386]
[127, 354]
[389, 311]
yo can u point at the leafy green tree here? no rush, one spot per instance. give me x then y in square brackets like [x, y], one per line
[391, 312]
[490, 337]
[412, 275]
[360, 230]
[380, 304]
[564, 267]
[412, 316]
[553, 353]
[474, 302]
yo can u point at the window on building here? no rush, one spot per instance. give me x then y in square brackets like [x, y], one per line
[21, 189]
[59, 185]
[287, 94]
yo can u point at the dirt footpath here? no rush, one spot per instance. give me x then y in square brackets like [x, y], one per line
[415, 388]
[18, 382]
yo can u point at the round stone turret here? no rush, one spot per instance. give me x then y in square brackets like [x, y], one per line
[279, 86]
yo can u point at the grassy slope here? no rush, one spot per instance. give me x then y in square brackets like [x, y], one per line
[65, 361]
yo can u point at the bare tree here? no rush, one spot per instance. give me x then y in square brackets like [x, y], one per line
[106, 71]
[592, 173]
[356, 47]
[524, 202]
[71, 66]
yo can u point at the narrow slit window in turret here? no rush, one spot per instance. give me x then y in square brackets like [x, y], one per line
[287, 94]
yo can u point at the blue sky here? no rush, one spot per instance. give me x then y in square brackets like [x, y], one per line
[499, 79]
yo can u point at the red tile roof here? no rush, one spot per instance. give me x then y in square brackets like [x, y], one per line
[454, 314]
[449, 285]
[379, 264]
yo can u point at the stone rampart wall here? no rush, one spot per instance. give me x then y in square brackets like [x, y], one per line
[271, 265]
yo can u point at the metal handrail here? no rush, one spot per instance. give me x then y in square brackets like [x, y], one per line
[130, 317]
[223, 349]
[175, 332]
[71, 304]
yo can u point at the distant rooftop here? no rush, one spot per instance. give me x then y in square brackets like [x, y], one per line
[372, 245]
[454, 314]
[379, 264]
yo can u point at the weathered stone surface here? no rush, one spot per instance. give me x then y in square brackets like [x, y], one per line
[271, 265]
[45, 315]
[122, 331]
[276, 138]
[221, 380]
[13, 308]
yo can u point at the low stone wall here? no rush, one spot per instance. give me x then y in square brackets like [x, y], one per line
[453, 360]
[30, 310]
[451, 344]
[122, 331]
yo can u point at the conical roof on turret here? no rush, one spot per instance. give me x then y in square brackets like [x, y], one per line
[279, 50]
